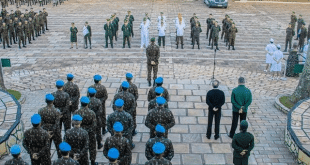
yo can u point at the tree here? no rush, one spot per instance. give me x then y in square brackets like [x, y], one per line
[302, 91]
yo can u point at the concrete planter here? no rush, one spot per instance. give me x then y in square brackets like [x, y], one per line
[279, 105]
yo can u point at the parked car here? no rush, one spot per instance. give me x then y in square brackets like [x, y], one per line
[216, 3]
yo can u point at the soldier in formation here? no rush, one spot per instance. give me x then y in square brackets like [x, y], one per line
[293, 20]
[89, 123]
[224, 22]
[108, 27]
[158, 149]
[209, 22]
[130, 18]
[302, 36]
[215, 35]
[159, 92]
[126, 28]
[180, 27]
[196, 32]
[158, 83]
[161, 33]
[232, 36]
[152, 55]
[65, 149]
[74, 93]
[15, 152]
[300, 22]
[5, 35]
[289, 36]
[144, 33]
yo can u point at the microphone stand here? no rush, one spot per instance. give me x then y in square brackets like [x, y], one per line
[212, 79]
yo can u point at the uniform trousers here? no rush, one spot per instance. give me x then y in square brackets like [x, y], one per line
[235, 122]
[149, 71]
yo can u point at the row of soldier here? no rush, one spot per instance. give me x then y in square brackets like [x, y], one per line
[18, 3]
[90, 119]
[18, 26]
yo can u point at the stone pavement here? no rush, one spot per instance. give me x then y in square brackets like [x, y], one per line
[186, 72]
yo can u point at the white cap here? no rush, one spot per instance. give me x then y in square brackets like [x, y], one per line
[271, 40]
[279, 46]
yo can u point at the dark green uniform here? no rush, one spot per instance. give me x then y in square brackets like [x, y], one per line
[196, 31]
[62, 102]
[242, 141]
[209, 26]
[293, 21]
[224, 27]
[102, 95]
[289, 36]
[89, 123]
[5, 35]
[11, 33]
[169, 151]
[108, 34]
[45, 14]
[74, 93]
[133, 89]
[96, 105]
[131, 19]
[79, 142]
[36, 140]
[51, 123]
[215, 35]
[18, 13]
[32, 28]
[73, 37]
[126, 120]
[232, 36]
[159, 115]
[152, 95]
[129, 104]
[20, 35]
[126, 34]
[15, 161]
[152, 54]
[27, 32]
[122, 144]
[300, 21]
[42, 29]
[302, 36]
[15, 22]
[37, 25]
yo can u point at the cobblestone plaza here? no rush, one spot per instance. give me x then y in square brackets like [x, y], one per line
[186, 72]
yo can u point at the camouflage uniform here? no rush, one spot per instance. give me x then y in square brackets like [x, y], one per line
[32, 28]
[156, 161]
[209, 26]
[74, 93]
[96, 106]
[37, 25]
[126, 120]
[27, 33]
[102, 95]
[302, 36]
[152, 95]
[41, 23]
[62, 102]
[18, 13]
[78, 140]
[36, 140]
[131, 19]
[227, 33]
[224, 26]
[196, 32]
[15, 161]
[289, 35]
[64, 161]
[169, 151]
[5, 35]
[129, 104]
[51, 123]
[300, 21]
[89, 123]
[122, 144]
[45, 14]
[293, 21]
[19, 33]
[152, 54]
[215, 35]
[153, 104]
[159, 115]
[232, 36]
[11, 32]
[133, 89]
[242, 141]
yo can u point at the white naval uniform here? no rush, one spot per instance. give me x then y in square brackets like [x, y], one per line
[159, 20]
[271, 48]
[276, 67]
[144, 34]
[161, 30]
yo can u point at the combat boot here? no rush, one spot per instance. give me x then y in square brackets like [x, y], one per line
[153, 83]
[211, 47]
[198, 47]
[193, 47]
[128, 46]
[90, 47]
[285, 50]
[177, 46]
[99, 145]
[182, 46]
[149, 83]
[233, 48]
[9, 46]
[123, 46]
[229, 47]
[217, 48]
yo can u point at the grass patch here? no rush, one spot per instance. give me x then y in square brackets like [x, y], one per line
[16, 94]
[286, 102]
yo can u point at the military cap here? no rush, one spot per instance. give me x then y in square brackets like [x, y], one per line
[15, 149]
[153, 39]
[144, 19]
[118, 127]
[97, 77]
[125, 20]
[65, 147]
[40, 11]
[161, 12]
[108, 19]
[70, 75]
[159, 80]
[244, 125]
[210, 14]
[36, 119]
[233, 23]
[84, 100]
[119, 103]
[60, 83]
[71, 22]
[49, 97]
[86, 22]
[226, 15]
[26, 10]
[113, 153]
[159, 128]
[159, 90]
[303, 23]
[125, 84]
[279, 46]
[293, 12]
[92, 91]
[129, 11]
[160, 100]
[271, 40]
[194, 14]
[129, 75]
[300, 15]
[77, 118]
[158, 148]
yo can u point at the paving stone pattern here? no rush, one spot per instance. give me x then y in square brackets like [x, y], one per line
[186, 72]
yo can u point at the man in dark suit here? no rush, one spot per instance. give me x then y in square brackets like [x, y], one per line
[215, 99]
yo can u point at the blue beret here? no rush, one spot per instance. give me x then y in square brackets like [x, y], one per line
[158, 148]
[77, 118]
[118, 127]
[160, 100]
[64, 146]
[70, 75]
[113, 153]
[159, 80]
[36, 119]
[84, 99]
[159, 90]
[60, 83]
[125, 84]
[129, 75]
[160, 128]
[119, 102]
[15, 149]
[97, 77]
[92, 91]
[49, 97]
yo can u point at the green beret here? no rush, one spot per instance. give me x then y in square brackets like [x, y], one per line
[161, 12]
[294, 12]
[72, 22]
[153, 39]
[144, 19]
[300, 15]
[86, 22]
